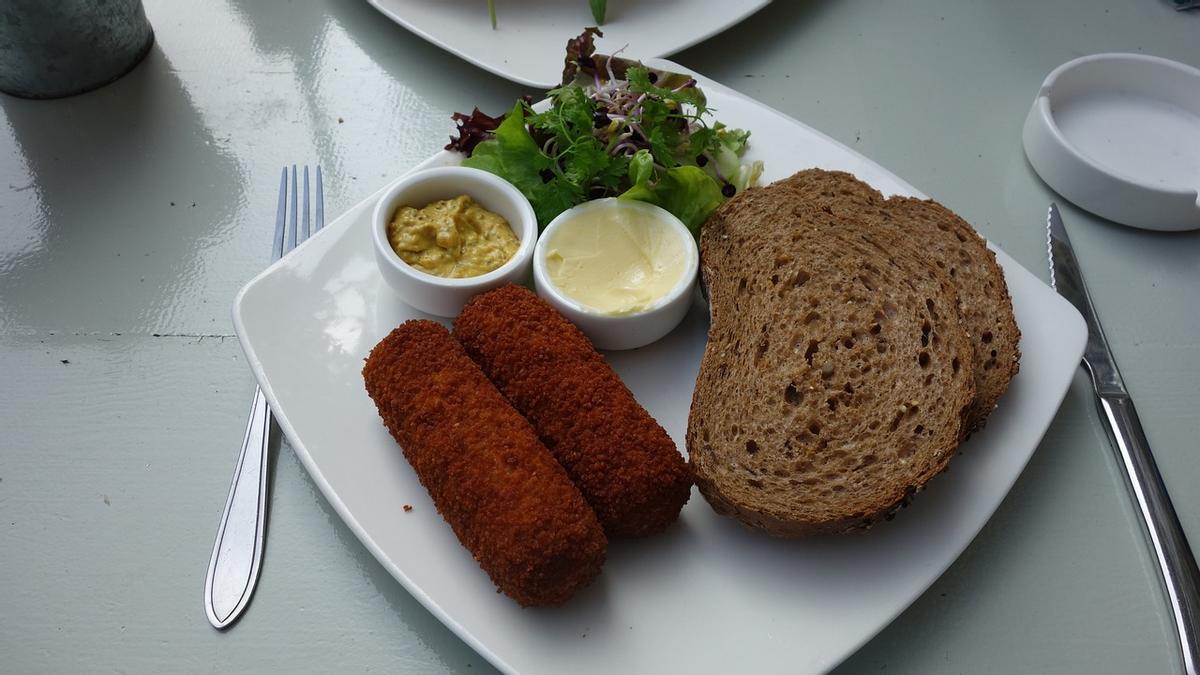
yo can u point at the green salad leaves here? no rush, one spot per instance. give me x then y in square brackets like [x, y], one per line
[686, 191]
[513, 155]
[634, 133]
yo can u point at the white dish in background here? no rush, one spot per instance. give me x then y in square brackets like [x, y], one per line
[706, 596]
[530, 39]
[1119, 135]
[441, 296]
[628, 331]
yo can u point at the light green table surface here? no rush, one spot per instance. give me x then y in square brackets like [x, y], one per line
[130, 216]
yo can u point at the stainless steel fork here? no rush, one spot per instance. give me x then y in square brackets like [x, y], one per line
[237, 553]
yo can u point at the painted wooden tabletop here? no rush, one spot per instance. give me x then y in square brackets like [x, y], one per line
[131, 215]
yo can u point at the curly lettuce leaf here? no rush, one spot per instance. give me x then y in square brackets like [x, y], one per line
[641, 168]
[512, 153]
[734, 140]
[514, 156]
[686, 191]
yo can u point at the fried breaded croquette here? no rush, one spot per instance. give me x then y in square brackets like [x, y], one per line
[623, 461]
[510, 504]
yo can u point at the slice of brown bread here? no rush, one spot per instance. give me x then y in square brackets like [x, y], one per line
[838, 190]
[984, 303]
[836, 375]
[953, 245]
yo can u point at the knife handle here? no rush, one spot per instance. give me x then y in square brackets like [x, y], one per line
[1176, 563]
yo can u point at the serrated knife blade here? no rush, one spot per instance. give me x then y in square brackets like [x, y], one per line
[1067, 279]
[1176, 562]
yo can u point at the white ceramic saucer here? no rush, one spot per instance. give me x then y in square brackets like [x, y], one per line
[1119, 135]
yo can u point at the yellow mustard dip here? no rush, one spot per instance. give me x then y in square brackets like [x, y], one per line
[615, 259]
[452, 238]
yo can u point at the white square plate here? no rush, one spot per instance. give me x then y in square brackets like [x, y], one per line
[527, 44]
[707, 596]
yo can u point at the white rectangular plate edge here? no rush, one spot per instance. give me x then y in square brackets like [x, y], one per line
[708, 561]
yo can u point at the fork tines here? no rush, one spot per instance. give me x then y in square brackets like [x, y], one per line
[289, 234]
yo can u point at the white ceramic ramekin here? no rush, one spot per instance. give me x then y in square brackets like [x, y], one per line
[626, 331]
[438, 295]
[1119, 135]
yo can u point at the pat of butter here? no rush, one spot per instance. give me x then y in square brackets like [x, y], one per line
[616, 259]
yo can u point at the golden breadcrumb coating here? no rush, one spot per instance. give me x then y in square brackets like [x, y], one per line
[511, 505]
[625, 464]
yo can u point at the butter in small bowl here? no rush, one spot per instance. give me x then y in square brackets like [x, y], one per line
[621, 270]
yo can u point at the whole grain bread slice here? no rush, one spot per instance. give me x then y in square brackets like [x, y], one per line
[950, 243]
[984, 302]
[836, 375]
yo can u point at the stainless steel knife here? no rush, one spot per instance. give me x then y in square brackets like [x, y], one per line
[1176, 563]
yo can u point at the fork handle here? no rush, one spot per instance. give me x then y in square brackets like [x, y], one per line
[1173, 555]
[237, 552]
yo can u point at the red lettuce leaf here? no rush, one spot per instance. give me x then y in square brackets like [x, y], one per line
[579, 52]
[472, 130]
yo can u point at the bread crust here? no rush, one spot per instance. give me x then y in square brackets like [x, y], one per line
[984, 301]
